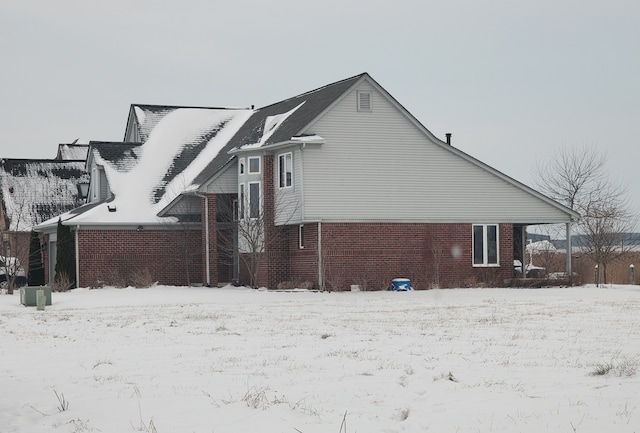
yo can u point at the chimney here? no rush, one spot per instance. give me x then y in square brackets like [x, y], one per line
[448, 134]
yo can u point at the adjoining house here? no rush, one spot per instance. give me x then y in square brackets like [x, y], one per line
[35, 190]
[339, 186]
[72, 152]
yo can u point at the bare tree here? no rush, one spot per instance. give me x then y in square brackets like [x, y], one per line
[577, 178]
[605, 225]
[258, 234]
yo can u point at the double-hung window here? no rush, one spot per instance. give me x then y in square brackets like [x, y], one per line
[241, 201]
[485, 245]
[285, 168]
[254, 199]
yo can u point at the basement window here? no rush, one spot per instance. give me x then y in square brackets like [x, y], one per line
[485, 245]
[364, 101]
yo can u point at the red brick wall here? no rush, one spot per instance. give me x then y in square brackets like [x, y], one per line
[213, 241]
[372, 254]
[304, 261]
[110, 254]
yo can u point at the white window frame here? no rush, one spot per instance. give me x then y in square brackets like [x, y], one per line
[485, 245]
[253, 158]
[241, 166]
[282, 162]
[250, 206]
[301, 236]
[360, 98]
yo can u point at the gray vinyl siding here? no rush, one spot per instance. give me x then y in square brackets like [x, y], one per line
[380, 166]
[288, 200]
[225, 183]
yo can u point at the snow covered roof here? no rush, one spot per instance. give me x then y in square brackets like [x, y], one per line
[281, 122]
[72, 152]
[179, 142]
[36, 190]
[543, 246]
[286, 119]
[175, 149]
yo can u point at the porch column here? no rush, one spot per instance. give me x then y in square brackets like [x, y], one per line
[568, 248]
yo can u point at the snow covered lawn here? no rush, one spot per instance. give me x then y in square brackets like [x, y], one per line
[174, 359]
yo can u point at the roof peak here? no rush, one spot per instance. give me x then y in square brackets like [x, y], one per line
[353, 78]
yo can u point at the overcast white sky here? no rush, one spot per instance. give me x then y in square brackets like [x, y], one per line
[510, 79]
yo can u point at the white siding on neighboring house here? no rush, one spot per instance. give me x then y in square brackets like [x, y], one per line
[379, 166]
[132, 135]
[99, 184]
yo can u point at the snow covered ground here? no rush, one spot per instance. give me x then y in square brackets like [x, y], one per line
[174, 359]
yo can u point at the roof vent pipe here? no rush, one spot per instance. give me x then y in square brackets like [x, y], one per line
[448, 134]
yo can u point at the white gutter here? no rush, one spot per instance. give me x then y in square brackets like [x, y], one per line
[206, 236]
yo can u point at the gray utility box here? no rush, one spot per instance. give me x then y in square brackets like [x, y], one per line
[28, 294]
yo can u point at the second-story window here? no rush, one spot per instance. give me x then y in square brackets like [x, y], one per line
[254, 164]
[285, 168]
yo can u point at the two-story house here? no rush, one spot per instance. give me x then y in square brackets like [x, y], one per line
[334, 187]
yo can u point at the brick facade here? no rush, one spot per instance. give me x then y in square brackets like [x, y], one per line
[171, 256]
[372, 254]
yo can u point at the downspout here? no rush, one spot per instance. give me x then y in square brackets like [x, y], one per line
[304, 145]
[320, 264]
[77, 258]
[523, 239]
[568, 248]
[206, 236]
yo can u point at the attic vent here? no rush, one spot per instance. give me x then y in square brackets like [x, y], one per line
[364, 101]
